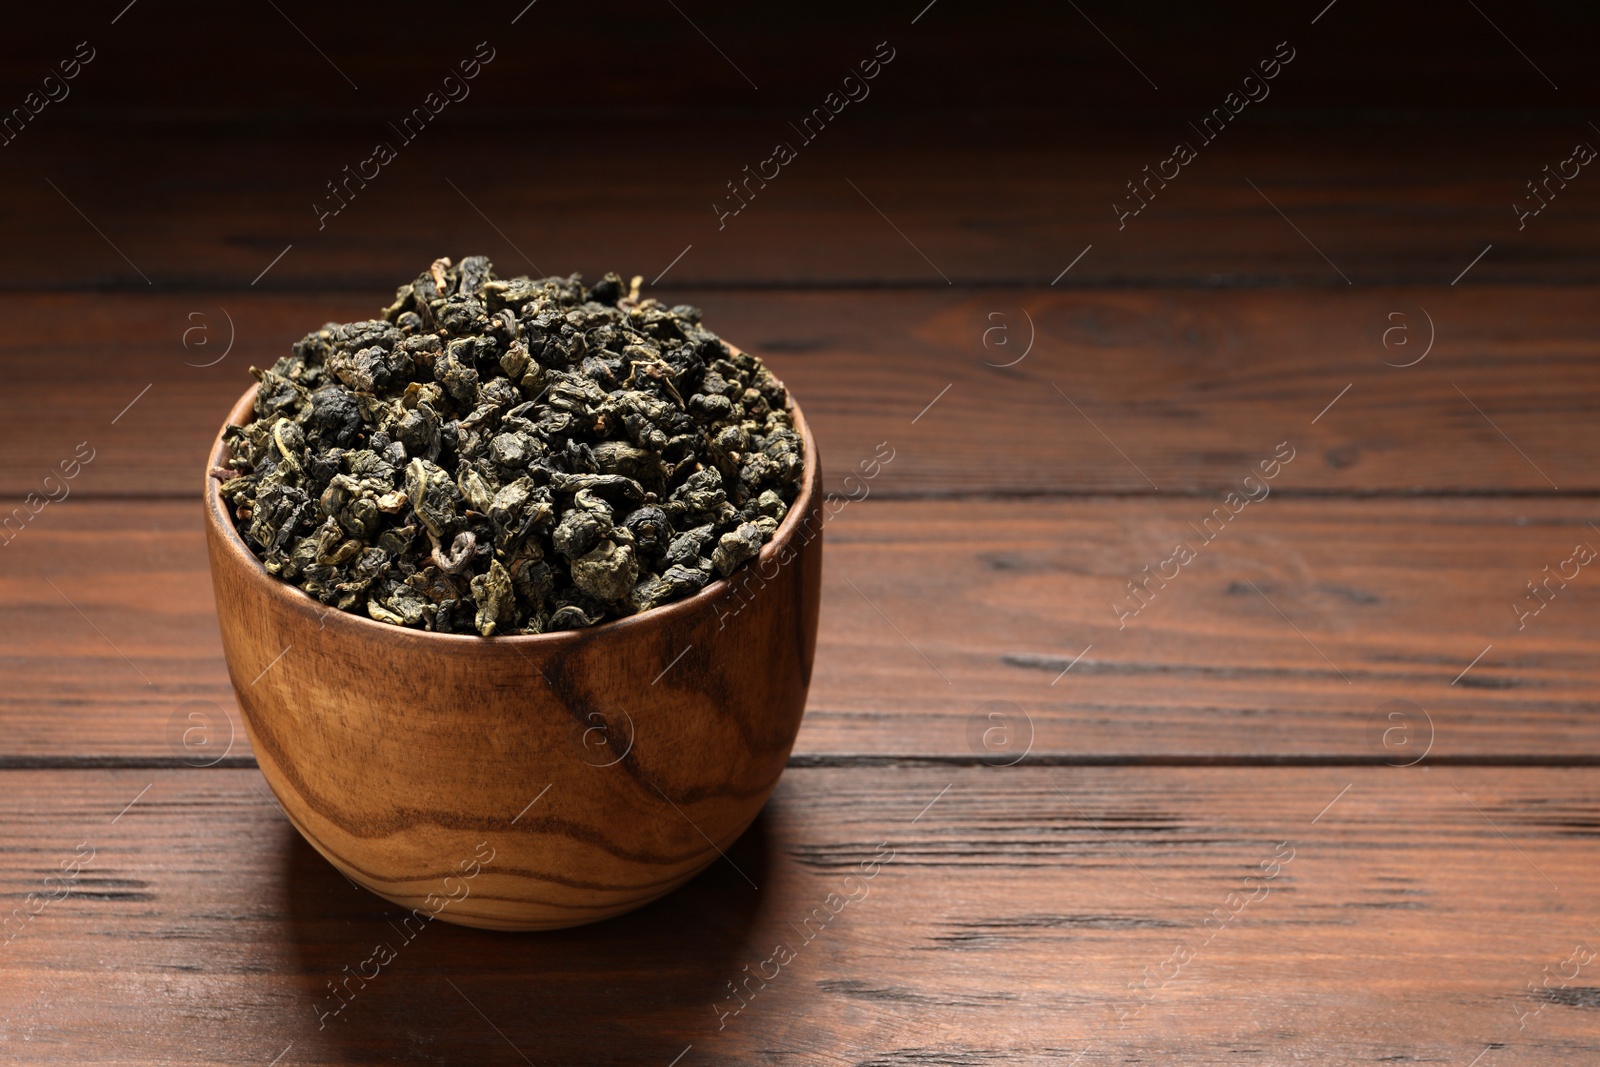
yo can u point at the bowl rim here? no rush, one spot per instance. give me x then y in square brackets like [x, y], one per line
[807, 502]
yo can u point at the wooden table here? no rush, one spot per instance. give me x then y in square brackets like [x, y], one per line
[1323, 790]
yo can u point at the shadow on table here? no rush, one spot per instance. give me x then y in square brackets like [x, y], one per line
[636, 988]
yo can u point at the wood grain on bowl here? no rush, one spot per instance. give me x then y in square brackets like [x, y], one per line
[525, 782]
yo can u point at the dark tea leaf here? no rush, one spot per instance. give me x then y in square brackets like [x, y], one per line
[504, 456]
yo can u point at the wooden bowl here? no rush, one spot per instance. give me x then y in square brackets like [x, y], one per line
[525, 783]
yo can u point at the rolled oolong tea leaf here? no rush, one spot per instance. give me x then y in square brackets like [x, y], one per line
[511, 456]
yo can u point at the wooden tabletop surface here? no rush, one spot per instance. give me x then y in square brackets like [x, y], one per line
[1212, 671]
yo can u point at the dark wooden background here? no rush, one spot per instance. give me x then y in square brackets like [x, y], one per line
[1441, 904]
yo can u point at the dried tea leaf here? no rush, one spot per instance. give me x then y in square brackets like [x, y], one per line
[501, 456]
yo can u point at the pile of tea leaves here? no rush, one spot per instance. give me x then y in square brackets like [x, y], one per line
[511, 456]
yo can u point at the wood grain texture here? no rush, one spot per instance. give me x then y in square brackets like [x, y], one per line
[1025, 917]
[400, 754]
[1085, 907]
[977, 202]
[999, 596]
[563, 61]
[1194, 388]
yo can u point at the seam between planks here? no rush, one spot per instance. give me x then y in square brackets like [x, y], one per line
[319, 287]
[846, 761]
[1201, 492]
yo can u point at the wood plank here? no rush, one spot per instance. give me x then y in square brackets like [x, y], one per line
[995, 203]
[1194, 388]
[559, 61]
[937, 614]
[1029, 916]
